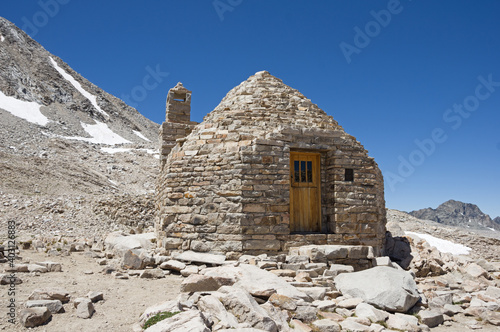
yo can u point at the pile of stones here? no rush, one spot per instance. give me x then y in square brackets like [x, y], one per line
[43, 303]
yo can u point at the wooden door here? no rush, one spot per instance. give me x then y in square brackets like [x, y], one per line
[305, 193]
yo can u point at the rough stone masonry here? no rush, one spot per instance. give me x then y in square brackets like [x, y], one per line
[226, 184]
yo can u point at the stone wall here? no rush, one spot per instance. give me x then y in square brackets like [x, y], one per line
[226, 187]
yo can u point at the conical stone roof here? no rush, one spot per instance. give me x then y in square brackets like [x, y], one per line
[263, 107]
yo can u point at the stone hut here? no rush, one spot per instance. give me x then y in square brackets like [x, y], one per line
[265, 171]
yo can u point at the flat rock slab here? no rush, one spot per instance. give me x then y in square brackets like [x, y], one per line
[384, 287]
[257, 281]
[50, 294]
[54, 306]
[200, 257]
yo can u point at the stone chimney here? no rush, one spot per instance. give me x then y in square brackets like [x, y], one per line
[178, 108]
[178, 122]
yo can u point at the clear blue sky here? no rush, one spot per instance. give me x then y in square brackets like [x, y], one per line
[389, 72]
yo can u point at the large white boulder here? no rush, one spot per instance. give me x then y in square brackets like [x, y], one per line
[120, 243]
[384, 287]
[256, 281]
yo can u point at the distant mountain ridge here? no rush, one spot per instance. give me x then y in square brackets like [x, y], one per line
[457, 213]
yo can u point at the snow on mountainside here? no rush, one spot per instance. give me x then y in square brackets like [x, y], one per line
[54, 124]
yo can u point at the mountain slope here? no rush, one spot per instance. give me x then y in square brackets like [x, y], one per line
[31, 77]
[458, 214]
[60, 133]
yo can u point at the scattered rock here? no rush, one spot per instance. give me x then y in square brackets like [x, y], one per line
[326, 325]
[349, 303]
[283, 302]
[365, 310]
[132, 260]
[431, 318]
[199, 283]
[95, 296]
[306, 313]
[173, 265]
[54, 306]
[476, 271]
[36, 316]
[403, 322]
[85, 308]
[152, 274]
[350, 324]
[190, 269]
[7, 279]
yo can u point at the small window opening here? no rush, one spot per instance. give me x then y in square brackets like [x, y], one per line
[179, 97]
[349, 174]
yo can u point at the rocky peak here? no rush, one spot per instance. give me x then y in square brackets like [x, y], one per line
[459, 214]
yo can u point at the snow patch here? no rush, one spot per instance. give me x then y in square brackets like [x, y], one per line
[130, 150]
[138, 133]
[77, 86]
[101, 134]
[491, 229]
[115, 150]
[2, 38]
[27, 110]
[443, 245]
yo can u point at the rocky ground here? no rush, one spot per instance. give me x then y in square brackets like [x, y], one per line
[302, 291]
